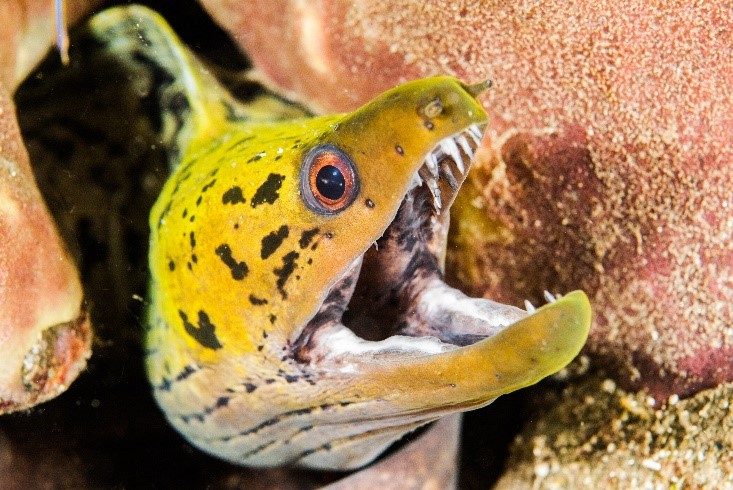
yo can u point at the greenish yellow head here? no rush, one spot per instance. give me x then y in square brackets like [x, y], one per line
[298, 313]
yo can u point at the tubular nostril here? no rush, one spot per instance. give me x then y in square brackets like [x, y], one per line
[479, 88]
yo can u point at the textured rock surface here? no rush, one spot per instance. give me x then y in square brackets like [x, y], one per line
[598, 436]
[45, 337]
[608, 165]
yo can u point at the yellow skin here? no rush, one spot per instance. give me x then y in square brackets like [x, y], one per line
[241, 261]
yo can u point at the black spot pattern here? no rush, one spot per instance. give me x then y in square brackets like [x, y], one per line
[257, 301]
[272, 242]
[255, 158]
[233, 196]
[239, 269]
[284, 272]
[222, 401]
[208, 186]
[267, 192]
[165, 385]
[185, 373]
[205, 333]
[307, 236]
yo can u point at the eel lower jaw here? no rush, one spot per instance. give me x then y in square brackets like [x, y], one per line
[392, 323]
[443, 320]
[428, 377]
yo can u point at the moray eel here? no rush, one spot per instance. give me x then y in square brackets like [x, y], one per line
[297, 309]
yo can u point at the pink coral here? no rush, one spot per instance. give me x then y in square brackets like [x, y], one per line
[608, 165]
[45, 336]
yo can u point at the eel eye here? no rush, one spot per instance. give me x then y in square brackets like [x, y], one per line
[328, 180]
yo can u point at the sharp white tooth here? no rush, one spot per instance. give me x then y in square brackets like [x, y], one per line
[529, 306]
[416, 181]
[475, 133]
[461, 139]
[433, 183]
[549, 297]
[432, 163]
[450, 148]
[476, 139]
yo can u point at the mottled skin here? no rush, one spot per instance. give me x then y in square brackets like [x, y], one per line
[250, 274]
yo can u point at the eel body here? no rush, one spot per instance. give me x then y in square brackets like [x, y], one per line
[297, 309]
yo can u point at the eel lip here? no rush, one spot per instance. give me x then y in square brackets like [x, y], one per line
[442, 378]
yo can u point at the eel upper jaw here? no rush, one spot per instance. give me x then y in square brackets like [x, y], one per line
[397, 310]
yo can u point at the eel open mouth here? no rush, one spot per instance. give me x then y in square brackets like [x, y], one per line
[392, 306]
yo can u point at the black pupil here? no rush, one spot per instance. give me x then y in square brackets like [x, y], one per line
[330, 182]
